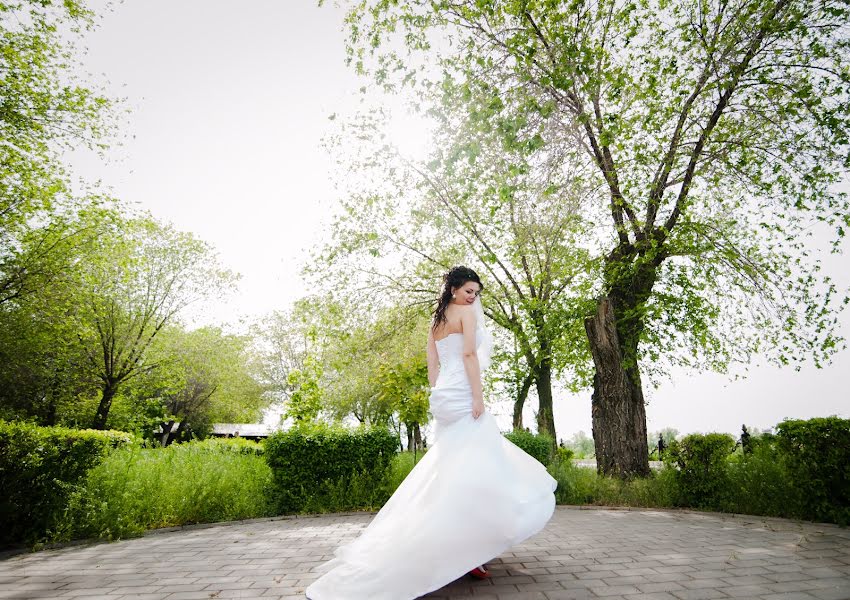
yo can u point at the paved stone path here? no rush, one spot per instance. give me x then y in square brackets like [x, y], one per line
[599, 553]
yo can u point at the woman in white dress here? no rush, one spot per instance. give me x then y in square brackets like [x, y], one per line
[473, 495]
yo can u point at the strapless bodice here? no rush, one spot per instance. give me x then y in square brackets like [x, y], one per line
[450, 352]
[451, 396]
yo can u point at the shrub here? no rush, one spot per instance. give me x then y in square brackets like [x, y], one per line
[759, 481]
[564, 454]
[137, 489]
[317, 465]
[817, 452]
[538, 446]
[237, 445]
[40, 467]
[702, 476]
[581, 485]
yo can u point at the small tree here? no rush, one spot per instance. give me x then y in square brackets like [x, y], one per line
[138, 277]
[305, 401]
[203, 376]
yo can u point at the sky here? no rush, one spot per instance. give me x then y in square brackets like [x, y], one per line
[228, 104]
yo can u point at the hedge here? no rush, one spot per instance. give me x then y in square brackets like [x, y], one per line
[314, 459]
[39, 468]
[538, 446]
[817, 454]
[702, 476]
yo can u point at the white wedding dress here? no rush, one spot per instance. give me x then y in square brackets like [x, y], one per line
[473, 495]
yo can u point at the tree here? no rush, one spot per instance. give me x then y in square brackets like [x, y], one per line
[305, 401]
[714, 133]
[374, 370]
[44, 111]
[404, 385]
[204, 376]
[287, 340]
[581, 444]
[138, 277]
[488, 203]
[44, 367]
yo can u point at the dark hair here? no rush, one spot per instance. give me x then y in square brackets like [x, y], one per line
[455, 278]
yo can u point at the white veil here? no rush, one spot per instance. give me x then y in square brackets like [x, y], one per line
[483, 338]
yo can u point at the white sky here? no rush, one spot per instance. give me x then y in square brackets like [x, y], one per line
[229, 102]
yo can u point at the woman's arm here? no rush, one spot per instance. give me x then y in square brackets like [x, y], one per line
[433, 359]
[470, 361]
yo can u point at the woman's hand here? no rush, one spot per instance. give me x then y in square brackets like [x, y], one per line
[477, 408]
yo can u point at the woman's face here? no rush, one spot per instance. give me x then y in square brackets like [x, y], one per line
[467, 293]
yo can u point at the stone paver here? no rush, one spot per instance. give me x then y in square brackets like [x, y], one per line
[582, 554]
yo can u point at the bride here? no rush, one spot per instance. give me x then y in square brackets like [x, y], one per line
[473, 495]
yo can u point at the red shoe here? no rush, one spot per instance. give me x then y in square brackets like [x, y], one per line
[480, 573]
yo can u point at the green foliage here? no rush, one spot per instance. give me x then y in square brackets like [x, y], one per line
[668, 434]
[564, 454]
[799, 473]
[132, 412]
[817, 452]
[40, 467]
[45, 110]
[538, 446]
[203, 376]
[759, 482]
[581, 485]
[582, 445]
[137, 489]
[377, 370]
[405, 386]
[312, 462]
[138, 276]
[120, 279]
[305, 401]
[702, 475]
[698, 147]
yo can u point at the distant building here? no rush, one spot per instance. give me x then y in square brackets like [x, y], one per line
[249, 431]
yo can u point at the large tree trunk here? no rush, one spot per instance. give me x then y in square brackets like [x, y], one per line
[618, 411]
[519, 403]
[545, 415]
[108, 393]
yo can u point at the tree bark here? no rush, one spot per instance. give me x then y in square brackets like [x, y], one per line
[50, 416]
[618, 410]
[165, 437]
[177, 436]
[545, 415]
[108, 393]
[519, 403]
[417, 436]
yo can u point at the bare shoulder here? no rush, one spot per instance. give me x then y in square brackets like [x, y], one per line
[467, 314]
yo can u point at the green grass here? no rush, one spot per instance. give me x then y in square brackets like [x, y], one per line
[581, 485]
[146, 488]
[137, 489]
